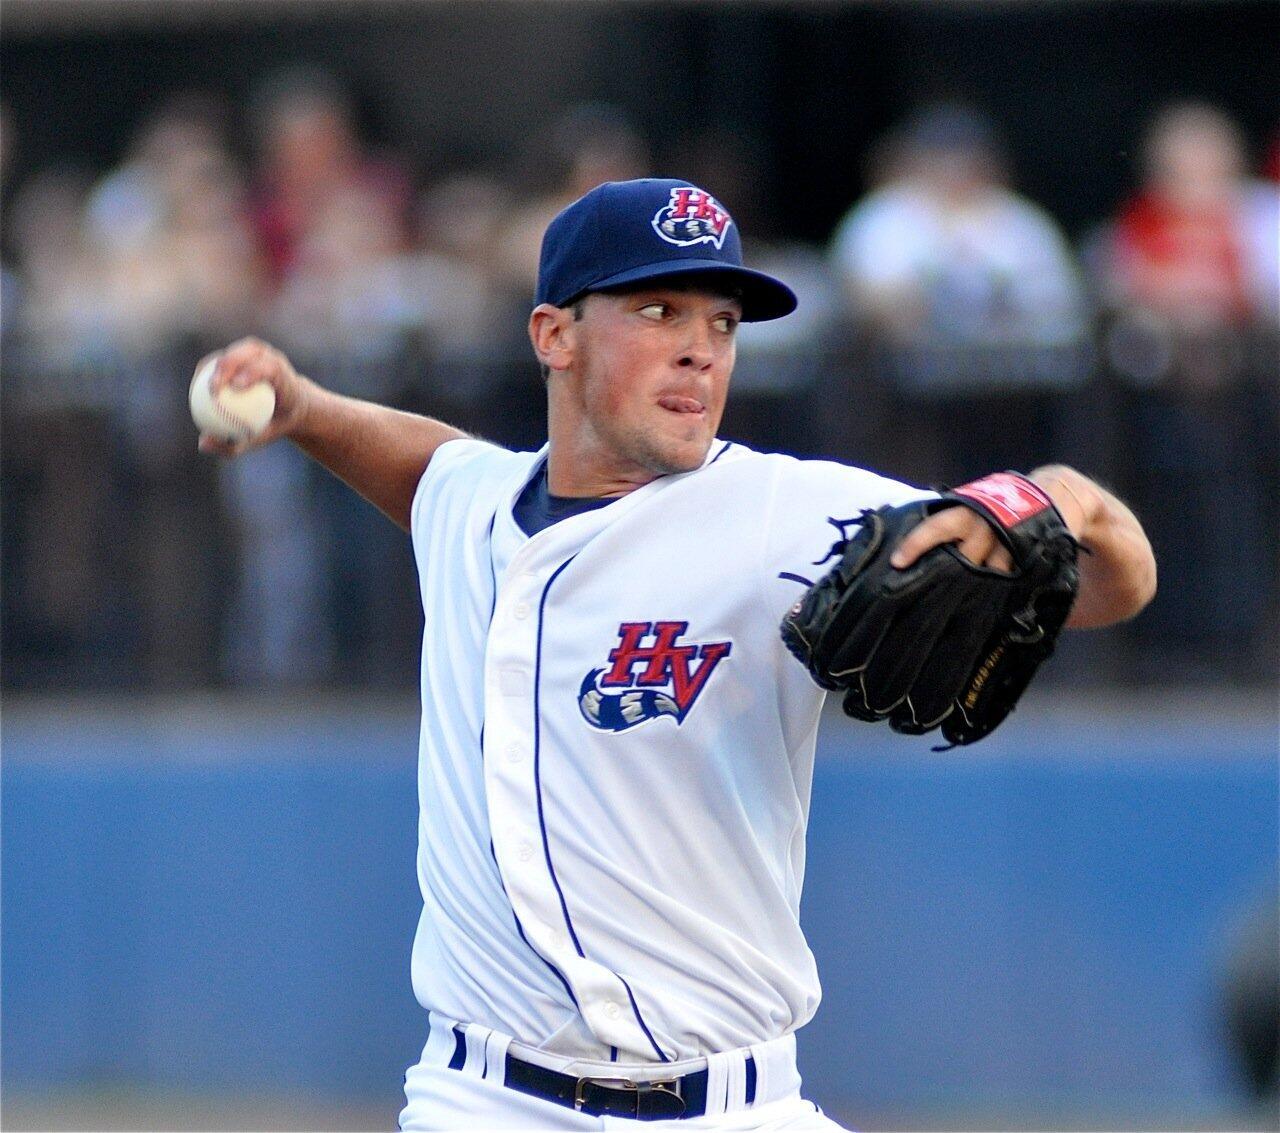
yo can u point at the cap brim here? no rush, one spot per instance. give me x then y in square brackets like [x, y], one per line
[763, 297]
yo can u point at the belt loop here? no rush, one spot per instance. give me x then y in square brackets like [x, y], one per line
[717, 1083]
[760, 1060]
[736, 1086]
[440, 1041]
[736, 1082]
[477, 1040]
[495, 1056]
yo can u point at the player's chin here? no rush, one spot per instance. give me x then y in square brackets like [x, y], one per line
[678, 443]
[683, 455]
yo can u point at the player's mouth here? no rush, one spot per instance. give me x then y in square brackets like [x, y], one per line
[678, 404]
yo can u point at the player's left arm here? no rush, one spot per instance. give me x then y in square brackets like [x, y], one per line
[1117, 572]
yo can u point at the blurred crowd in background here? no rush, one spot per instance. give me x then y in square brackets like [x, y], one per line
[947, 328]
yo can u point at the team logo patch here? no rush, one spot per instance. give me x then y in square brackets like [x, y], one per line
[692, 216]
[1011, 498]
[644, 681]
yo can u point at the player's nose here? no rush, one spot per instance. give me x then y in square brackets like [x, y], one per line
[696, 352]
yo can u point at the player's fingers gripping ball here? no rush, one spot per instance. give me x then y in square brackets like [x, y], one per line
[230, 414]
[943, 642]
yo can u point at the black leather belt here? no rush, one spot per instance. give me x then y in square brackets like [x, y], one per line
[685, 1096]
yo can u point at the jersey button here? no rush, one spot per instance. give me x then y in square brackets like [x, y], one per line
[515, 753]
[612, 1009]
[525, 851]
[521, 610]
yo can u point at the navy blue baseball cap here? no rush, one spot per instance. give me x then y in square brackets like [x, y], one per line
[625, 232]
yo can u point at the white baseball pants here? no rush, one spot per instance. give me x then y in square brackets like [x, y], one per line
[473, 1097]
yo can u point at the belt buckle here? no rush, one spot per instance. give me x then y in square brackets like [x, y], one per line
[607, 1083]
[666, 1088]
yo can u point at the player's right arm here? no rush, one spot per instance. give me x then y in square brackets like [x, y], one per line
[380, 452]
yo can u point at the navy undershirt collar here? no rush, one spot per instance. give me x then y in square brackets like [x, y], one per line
[537, 509]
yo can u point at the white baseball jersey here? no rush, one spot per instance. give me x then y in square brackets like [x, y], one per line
[617, 751]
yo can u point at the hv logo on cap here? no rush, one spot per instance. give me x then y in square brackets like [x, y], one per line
[692, 216]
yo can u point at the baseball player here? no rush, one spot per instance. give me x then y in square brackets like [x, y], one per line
[616, 747]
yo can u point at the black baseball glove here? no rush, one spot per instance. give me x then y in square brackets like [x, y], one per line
[942, 642]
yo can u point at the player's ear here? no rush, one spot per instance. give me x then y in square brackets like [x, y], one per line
[552, 334]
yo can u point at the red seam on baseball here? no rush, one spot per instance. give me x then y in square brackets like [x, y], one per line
[232, 418]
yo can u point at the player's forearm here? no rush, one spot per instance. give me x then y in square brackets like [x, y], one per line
[1118, 574]
[379, 452]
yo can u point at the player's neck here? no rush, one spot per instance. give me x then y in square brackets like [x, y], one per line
[577, 476]
[581, 463]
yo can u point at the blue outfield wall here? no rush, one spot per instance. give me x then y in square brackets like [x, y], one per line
[1040, 921]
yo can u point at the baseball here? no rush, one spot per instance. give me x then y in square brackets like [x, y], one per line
[234, 414]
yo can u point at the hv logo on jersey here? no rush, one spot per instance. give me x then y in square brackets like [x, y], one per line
[651, 673]
[692, 216]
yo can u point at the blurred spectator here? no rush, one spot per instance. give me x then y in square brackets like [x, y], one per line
[944, 251]
[58, 601]
[967, 298]
[455, 278]
[331, 217]
[459, 223]
[178, 271]
[327, 217]
[1197, 245]
[589, 144]
[315, 175]
[10, 290]
[171, 233]
[1191, 281]
[341, 295]
[60, 318]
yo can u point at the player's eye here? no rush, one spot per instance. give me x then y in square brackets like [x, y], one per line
[655, 310]
[725, 324]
